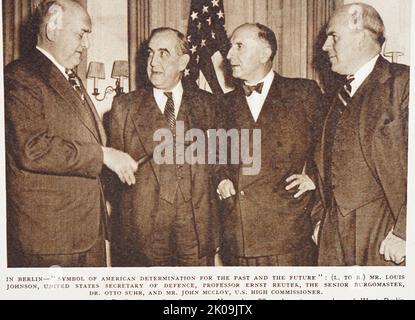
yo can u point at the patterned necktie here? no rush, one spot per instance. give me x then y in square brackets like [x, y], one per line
[75, 82]
[169, 111]
[345, 93]
[250, 89]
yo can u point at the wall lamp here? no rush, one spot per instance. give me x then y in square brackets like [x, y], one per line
[394, 55]
[96, 70]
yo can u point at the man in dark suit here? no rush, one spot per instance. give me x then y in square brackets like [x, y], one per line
[266, 225]
[168, 217]
[362, 157]
[55, 150]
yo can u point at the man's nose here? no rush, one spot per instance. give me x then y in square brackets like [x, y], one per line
[327, 44]
[152, 60]
[230, 54]
[85, 41]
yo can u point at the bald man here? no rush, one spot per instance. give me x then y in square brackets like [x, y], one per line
[362, 157]
[55, 149]
[266, 224]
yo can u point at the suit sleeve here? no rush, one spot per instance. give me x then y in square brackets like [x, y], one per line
[116, 141]
[116, 126]
[32, 141]
[391, 154]
[315, 111]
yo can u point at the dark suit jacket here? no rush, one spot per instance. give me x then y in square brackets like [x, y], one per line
[133, 120]
[54, 158]
[266, 220]
[383, 128]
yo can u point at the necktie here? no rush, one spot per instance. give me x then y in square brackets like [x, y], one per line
[250, 89]
[345, 93]
[75, 82]
[169, 111]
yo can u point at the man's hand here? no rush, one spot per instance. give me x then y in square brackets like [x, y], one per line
[302, 181]
[393, 248]
[225, 189]
[121, 163]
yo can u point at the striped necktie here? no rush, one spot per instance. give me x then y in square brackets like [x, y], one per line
[75, 82]
[345, 93]
[169, 111]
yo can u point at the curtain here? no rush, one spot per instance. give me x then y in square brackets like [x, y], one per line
[138, 33]
[18, 37]
[298, 25]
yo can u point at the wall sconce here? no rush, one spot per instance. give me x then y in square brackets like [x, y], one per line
[394, 55]
[393, 49]
[96, 70]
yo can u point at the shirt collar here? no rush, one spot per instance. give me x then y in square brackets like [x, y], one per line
[53, 60]
[177, 92]
[361, 75]
[267, 80]
[161, 98]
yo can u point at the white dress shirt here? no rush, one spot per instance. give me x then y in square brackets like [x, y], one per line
[361, 75]
[161, 98]
[256, 100]
[53, 60]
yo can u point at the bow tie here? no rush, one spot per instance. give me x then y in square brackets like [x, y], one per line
[250, 89]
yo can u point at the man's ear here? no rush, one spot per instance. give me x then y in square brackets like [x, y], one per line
[54, 24]
[362, 38]
[51, 31]
[184, 60]
[266, 53]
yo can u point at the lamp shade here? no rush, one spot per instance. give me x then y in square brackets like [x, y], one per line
[96, 70]
[120, 69]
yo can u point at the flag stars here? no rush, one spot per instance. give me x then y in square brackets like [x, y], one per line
[187, 72]
[199, 25]
[205, 9]
[194, 15]
[203, 43]
[209, 21]
[213, 35]
[197, 59]
[189, 38]
[220, 14]
[193, 49]
[215, 3]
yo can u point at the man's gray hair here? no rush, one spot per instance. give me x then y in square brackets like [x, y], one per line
[183, 44]
[365, 17]
[50, 12]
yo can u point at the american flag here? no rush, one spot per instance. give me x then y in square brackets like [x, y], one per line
[206, 35]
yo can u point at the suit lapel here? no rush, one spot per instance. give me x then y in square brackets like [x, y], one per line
[267, 117]
[98, 122]
[373, 105]
[147, 119]
[244, 119]
[58, 82]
